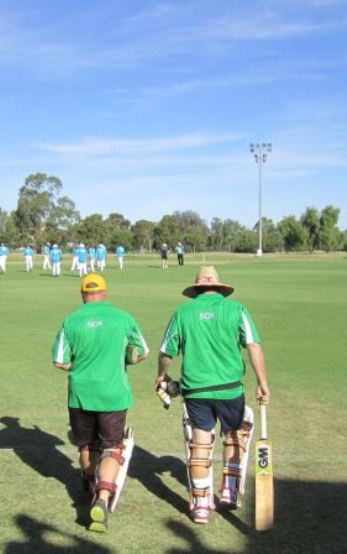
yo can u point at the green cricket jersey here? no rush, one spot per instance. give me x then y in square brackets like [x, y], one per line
[93, 339]
[209, 331]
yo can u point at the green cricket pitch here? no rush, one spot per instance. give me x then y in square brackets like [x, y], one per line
[299, 304]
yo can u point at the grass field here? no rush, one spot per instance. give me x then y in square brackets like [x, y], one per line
[299, 305]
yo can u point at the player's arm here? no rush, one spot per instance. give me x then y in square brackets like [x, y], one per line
[256, 356]
[250, 339]
[137, 349]
[170, 347]
[132, 355]
[61, 352]
[164, 361]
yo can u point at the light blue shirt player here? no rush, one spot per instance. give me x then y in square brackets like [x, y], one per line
[56, 257]
[3, 257]
[82, 255]
[120, 253]
[101, 256]
[28, 257]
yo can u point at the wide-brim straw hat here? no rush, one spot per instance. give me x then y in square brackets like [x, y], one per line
[207, 278]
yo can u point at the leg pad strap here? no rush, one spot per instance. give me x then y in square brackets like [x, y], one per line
[236, 438]
[106, 486]
[232, 471]
[114, 455]
[200, 462]
[201, 492]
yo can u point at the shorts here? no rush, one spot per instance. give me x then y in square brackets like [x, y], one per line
[204, 413]
[100, 429]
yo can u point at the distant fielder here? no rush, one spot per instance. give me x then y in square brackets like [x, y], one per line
[3, 257]
[46, 254]
[28, 253]
[56, 257]
[164, 253]
[101, 254]
[120, 253]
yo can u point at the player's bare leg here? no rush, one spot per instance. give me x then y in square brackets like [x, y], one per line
[106, 473]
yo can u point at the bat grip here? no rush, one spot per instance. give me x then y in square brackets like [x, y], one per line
[263, 421]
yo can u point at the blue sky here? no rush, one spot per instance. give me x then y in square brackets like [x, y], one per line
[148, 107]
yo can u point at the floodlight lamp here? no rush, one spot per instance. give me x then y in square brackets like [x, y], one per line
[264, 158]
[251, 147]
[256, 157]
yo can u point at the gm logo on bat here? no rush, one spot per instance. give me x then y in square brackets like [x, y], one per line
[263, 459]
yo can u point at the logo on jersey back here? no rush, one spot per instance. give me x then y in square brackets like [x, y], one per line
[206, 316]
[94, 324]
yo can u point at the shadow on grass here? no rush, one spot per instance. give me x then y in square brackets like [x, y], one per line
[310, 518]
[37, 539]
[38, 450]
[147, 468]
[194, 543]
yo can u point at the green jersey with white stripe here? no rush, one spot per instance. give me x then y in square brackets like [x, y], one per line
[93, 339]
[210, 332]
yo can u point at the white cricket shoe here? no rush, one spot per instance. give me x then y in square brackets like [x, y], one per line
[229, 497]
[200, 515]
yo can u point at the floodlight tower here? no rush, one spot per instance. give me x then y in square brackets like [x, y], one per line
[260, 151]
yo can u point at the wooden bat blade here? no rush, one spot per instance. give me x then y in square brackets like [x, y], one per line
[264, 486]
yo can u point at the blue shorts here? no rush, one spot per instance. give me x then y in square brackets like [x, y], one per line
[204, 413]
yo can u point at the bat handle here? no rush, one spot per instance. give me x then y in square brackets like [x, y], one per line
[263, 421]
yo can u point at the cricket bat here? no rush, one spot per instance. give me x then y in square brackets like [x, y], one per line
[264, 485]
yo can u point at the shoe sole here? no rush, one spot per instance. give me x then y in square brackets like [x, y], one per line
[231, 505]
[99, 520]
[96, 527]
[200, 520]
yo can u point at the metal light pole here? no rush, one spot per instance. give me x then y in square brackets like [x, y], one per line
[260, 151]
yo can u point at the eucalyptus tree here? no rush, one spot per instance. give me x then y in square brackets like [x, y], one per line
[36, 200]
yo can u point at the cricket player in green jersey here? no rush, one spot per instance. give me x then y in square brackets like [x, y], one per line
[210, 333]
[93, 346]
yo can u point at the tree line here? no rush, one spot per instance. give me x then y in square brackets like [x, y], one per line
[43, 214]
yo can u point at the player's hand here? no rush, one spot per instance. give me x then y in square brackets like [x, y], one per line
[158, 381]
[263, 394]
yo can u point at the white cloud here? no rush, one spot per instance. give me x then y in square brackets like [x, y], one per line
[92, 146]
[163, 32]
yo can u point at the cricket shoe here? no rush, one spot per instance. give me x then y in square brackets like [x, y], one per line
[229, 498]
[200, 515]
[98, 516]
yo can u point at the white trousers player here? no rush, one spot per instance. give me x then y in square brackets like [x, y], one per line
[121, 261]
[75, 264]
[56, 269]
[101, 265]
[3, 264]
[83, 268]
[29, 263]
[45, 262]
[92, 265]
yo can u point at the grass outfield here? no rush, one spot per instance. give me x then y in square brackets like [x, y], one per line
[299, 304]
